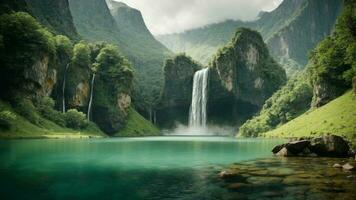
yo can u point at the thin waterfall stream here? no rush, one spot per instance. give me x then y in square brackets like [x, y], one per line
[91, 96]
[64, 89]
[198, 108]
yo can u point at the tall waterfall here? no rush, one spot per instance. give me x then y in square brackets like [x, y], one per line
[198, 114]
[64, 89]
[91, 96]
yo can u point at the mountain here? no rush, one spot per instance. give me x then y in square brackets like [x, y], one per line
[54, 14]
[117, 23]
[290, 31]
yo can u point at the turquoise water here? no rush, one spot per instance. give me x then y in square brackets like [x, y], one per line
[131, 168]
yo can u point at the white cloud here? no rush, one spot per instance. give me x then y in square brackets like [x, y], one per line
[169, 16]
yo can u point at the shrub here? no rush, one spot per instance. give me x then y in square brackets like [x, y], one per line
[25, 108]
[45, 107]
[75, 119]
[5, 118]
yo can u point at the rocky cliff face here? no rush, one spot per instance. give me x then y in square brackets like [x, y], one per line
[243, 76]
[177, 93]
[313, 22]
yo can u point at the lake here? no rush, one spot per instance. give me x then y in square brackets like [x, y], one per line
[126, 168]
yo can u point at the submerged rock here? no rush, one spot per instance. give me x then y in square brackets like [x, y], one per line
[337, 165]
[348, 167]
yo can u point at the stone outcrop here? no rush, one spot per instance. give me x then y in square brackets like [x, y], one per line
[40, 78]
[326, 146]
[243, 76]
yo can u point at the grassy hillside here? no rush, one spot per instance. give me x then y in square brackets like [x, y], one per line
[337, 117]
[137, 126]
[20, 127]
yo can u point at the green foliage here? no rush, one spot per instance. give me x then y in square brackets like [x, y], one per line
[24, 42]
[75, 119]
[112, 65]
[25, 108]
[354, 84]
[64, 45]
[81, 55]
[286, 104]
[45, 107]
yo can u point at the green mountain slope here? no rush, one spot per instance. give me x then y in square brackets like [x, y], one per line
[337, 117]
[54, 14]
[290, 31]
[100, 20]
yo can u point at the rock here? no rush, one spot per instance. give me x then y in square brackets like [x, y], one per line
[227, 174]
[330, 146]
[297, 147]
[277, 148]
[284, 153]
[348, 167]
[337, 165]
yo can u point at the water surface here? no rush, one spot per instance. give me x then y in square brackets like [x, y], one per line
[130, 168]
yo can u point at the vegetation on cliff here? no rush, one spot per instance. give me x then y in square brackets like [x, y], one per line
[35, 64]
[333, 62]
[289, 102]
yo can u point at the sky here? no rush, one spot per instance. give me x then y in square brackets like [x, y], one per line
[172, 16]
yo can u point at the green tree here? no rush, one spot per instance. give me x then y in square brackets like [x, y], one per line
[64, 45]
[75, 119]
[81, 55]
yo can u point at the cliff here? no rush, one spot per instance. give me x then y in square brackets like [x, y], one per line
[242, 76]
[177, 91]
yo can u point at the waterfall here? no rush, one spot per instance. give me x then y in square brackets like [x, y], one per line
[198, 114]
[91, 96]
[64, 89]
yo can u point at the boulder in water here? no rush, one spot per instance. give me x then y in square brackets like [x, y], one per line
[327, 146]
[330, 146]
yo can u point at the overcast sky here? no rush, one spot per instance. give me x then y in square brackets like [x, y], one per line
[170, 16]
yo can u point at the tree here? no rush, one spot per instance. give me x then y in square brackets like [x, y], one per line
[64, 45]
[81, 55]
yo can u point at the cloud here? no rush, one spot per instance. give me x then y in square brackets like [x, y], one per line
[169, 16]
